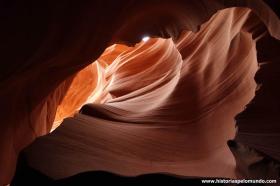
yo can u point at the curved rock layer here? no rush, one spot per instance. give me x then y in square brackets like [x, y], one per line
[165, 105]
[160, 106]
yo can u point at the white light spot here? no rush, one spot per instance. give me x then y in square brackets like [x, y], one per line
[145, 38]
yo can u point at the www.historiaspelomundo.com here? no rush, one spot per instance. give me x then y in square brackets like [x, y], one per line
[238, 181]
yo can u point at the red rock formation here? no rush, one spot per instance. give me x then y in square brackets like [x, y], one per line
[182, 96]
[175, 99]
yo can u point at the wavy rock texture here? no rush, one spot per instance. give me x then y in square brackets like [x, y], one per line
[160, 106]
[174, 104]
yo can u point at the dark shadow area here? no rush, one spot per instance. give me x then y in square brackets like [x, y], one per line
[25, 175]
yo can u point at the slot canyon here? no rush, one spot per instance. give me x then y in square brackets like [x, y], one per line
[180, 89]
